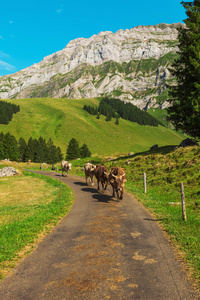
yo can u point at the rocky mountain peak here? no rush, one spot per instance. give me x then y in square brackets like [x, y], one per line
[130, 64]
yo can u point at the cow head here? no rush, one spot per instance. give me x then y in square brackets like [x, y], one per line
[118, 181]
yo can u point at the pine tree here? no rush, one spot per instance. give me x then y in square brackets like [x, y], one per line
[184, 112]
[30, 150]
[10, 147]
[22, 148]
[73, 150]
[84, 151]
[2, 153]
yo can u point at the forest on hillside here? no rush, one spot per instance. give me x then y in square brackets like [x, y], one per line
[35, 150]
[6, 111]
[115, 108]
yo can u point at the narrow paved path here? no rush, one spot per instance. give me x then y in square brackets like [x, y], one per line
[103, 249]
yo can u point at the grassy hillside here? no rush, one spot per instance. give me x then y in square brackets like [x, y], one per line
[63, 119]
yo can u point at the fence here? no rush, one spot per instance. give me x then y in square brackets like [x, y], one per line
[181, 191]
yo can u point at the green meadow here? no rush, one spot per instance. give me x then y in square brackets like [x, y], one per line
[64, 119]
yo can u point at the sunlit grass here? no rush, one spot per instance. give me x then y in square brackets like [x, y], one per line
[29, 206]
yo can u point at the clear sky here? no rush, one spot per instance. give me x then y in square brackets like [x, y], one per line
[31, 30]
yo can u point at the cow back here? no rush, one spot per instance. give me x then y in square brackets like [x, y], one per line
[100, 169]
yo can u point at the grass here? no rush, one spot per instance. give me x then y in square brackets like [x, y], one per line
[64, 119]
[29, 208]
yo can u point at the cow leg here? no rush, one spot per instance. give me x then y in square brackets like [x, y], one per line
[113, 192]
[92, 181]
[117, 196]
[97, 184]
[102, 186]
[121, 196]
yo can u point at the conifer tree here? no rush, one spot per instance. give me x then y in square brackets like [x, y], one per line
[2, 153]
[73, 150]
[84, 151]
[184, 112]
[10, 147]
[22, 148]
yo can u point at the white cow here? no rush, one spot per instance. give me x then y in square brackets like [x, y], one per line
[66, 166]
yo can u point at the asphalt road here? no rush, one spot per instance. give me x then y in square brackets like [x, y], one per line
[103, 249]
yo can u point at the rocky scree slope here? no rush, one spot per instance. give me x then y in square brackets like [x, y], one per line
[129, 64]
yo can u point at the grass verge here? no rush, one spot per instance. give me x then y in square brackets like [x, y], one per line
[29, 208]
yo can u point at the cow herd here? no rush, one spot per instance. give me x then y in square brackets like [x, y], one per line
[116, 177]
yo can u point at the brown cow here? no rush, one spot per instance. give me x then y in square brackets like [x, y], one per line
[90, 172]
[66, 166]
[102, 176]
[117, 178]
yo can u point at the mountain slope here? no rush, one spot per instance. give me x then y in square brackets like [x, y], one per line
[130, 64]
[64, 119]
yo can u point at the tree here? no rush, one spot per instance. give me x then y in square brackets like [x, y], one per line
[73, 150]
[30, 150]
[22, 148]
[84, 151]
[2, 153]
[184, 112]
[10, 147]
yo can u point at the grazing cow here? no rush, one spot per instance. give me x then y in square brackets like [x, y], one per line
[28, 162]
[101, 175]
[66, 166]
[90, 172]
[117, 178]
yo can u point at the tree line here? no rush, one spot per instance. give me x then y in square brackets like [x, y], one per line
[115, 108]
[38, 150]
[6, 111]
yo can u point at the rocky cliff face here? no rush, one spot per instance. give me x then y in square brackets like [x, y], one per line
[130, 65]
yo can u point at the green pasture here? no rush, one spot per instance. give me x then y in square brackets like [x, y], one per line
[64, 119]
[32, 206]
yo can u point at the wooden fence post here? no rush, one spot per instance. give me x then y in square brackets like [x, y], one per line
[60, 187]
[183, 202]
[145, 183]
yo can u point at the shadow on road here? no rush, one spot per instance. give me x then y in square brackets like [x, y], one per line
[152, 220]
[103, 197]
[88, 189]
[80, 183]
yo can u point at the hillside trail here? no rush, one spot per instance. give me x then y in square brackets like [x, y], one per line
[102, 249]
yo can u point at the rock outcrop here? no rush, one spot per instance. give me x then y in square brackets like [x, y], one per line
[8, 171]
[129, 64]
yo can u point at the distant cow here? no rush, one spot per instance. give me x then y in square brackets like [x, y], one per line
[90, 172]
[66, 166]
[29, 161]
[101, 175]
[117, 179]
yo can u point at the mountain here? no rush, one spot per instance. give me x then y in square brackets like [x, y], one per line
[129, 64]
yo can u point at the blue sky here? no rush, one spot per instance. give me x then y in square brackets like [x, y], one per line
[31, 30]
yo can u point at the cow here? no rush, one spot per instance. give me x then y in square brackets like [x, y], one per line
[101, 175]
[89, 172]
[117, 179]
[28, 162]
[66, 166]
